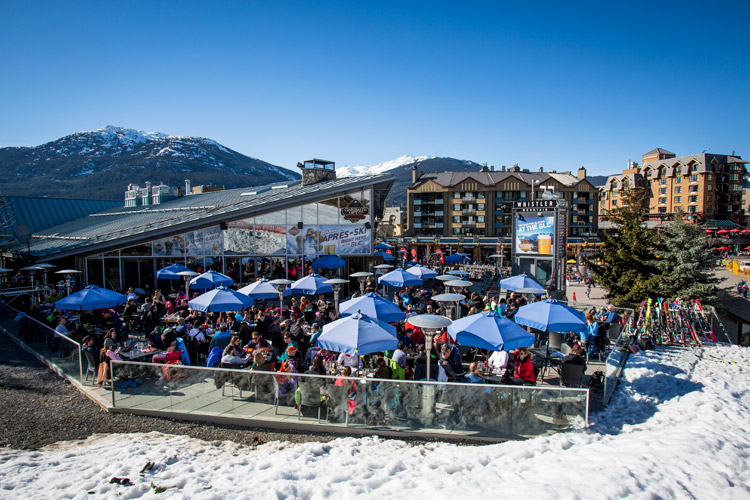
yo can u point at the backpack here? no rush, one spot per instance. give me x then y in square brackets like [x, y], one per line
[398, 372]
[646, 342]
[597, 380]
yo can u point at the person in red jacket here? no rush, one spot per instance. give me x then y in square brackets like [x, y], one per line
[523, 373]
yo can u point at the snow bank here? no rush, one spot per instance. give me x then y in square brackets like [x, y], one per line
[676, 428]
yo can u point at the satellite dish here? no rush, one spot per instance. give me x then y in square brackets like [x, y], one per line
[23, 233]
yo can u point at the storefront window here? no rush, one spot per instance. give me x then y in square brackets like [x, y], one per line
[238, 237]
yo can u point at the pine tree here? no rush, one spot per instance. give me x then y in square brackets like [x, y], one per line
[684, 260]
[626, 270]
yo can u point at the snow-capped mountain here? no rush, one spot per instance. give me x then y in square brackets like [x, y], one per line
[349, 171]
[101, 163]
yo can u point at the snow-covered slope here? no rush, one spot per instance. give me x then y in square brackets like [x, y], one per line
[101, 163]
[676, 428]
[349, 171]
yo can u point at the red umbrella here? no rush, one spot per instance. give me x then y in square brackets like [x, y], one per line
[735, 230]
[745, 231]
[747, 248]
[722, 231]
[723, 248]
[709, 231]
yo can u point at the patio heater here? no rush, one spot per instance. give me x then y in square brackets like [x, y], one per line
[281, 285]
[451, 298]
[3, 270]
[68, 273]
[336, 284]
[382, 269]
[32, 270]
[362, 278]
[188, 275]
[46, 267]
[430, 324]
[498, 256]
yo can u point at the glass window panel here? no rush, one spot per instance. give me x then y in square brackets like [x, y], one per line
[238, 237]
[270, 239]
[328, 211]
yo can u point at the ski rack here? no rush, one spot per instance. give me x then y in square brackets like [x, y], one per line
[677, 323]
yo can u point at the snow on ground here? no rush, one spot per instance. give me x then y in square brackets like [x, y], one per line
[676, 428]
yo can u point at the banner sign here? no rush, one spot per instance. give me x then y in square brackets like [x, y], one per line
[328, 239]
[534, 235]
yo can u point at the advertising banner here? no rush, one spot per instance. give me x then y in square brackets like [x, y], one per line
[328, 239]
[534, 235]
[204, 242]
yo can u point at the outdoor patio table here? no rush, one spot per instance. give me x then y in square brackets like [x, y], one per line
[140, 355]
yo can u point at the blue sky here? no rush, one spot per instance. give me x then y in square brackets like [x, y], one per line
[558, 84]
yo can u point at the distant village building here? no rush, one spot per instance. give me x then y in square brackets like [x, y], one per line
[704, 186]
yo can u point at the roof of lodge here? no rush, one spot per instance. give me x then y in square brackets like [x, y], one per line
[40, 213]
[129, 225]
[493, 177]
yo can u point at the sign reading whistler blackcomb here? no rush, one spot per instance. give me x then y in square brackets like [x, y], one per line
[352, 209]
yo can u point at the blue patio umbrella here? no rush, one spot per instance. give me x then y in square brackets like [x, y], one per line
[489, 330]
[262, 289]
[386, 256]
[221, 299]
[357, 335]
[91, 297]
[422, 272]
[210, 279]
[458, 258]
[374, 306]
[312, 284]
[551, 315]
[400, 278]
[520, 281]
[170, 272]
[328, 262]
[383, 246]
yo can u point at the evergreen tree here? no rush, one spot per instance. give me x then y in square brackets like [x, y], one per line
[684, 260]
[626, 270]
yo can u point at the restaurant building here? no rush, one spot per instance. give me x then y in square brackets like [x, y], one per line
[472, 211]
[272, 231]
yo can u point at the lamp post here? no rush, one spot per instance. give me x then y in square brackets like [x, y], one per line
[281, 285]
[68, 273]
[450, 298]
[362, 278]
[336, 284]
[382, 269]
[45, 267]
[188, 275]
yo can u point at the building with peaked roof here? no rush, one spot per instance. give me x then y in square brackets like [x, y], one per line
[703, 186]
[272, 230]
[471, 211]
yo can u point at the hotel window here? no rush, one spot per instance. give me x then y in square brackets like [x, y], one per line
[614, 203]
[457, 219]
[709, 209]
[693, 189]
[614, 185]
[734, 177]
[692, 199]
[480, 218]
[457, 207]
[709, 198]
[662, 210]
[647, 174]
[480, 206]
[678, 189]
[677, 170]
[480, 195]
[678, 180]
[662, 190]
[663, 181]
[692, 209]
[693, 168]
[709, 177]
[614, 194]
[604, 203]
[663, 201]
[678, 199]
[694, 178]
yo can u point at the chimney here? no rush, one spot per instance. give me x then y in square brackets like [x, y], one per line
[541, 169]
[188, 187]
[502, 168]
[582, 173]
[492, 168]
[484, 168]
[414, 174]
[316, 170]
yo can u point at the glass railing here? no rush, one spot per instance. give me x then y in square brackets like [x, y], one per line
[59, 350]
[615, 363]
[457, 409]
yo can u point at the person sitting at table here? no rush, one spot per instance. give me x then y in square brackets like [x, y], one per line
[498, 363]
[575, 356]
[611, 315]
[353, 362]
[382, 370]
[233, 353]
[221, 338]
[523, 372]
[473, 376]
[454, 372]
[261, 362]
[258, 343]
[110, 338]
[318, 367]
[287, 383]
[399, 355]
[588, 336]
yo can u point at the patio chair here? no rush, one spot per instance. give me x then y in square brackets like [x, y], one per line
[309, 396]
[565, 349]
[571, 375]
[91, 368]
[232, 377]
[277, 396]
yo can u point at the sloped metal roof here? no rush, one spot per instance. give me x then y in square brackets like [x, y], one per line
[41, 213]
[130, 225]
